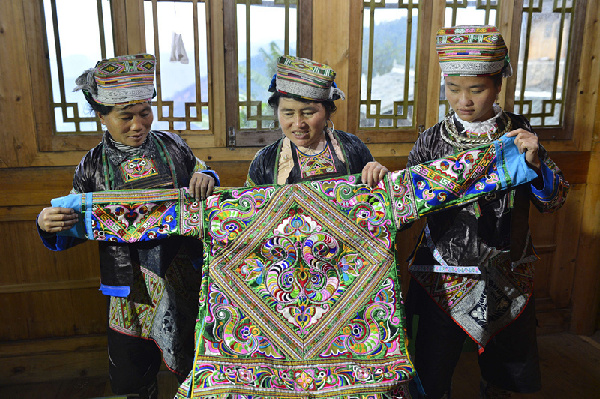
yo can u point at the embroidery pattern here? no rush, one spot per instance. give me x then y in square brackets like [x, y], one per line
[317, 164]
[295, 300]
[300, 293]
[481, 304]
[135, 315]
[138, 168]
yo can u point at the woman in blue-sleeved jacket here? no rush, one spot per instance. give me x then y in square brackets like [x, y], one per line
[151, 288]
[472, 270]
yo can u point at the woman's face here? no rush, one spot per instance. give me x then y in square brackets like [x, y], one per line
[129, 124]
[303, 123]
[472, 97]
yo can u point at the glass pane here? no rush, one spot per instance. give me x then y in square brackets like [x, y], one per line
[471, 12]
[463, 12]
[266, 30]
[388, 64]
[182, 67]
[68, 57]
[542, 70]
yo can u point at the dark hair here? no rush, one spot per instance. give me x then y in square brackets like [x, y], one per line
[329, 105]
[97, 107]
[497, 79]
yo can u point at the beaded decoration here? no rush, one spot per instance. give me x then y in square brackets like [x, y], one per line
[317, 164]
[463, 141]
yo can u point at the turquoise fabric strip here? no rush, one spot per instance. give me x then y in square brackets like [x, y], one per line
[74, 202]
[88, 213]
[500, 154]
[514, 162]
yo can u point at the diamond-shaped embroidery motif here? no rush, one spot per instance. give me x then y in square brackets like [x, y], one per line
[305, 285]
[457, 39]
[148, 66]
[109, 68]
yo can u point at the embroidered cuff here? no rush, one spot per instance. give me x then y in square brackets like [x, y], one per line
[120, 291]
[548, 192]
[516, 167]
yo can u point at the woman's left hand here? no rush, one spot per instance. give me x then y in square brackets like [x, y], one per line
[527, 143]
[373, 173]
[201, 185]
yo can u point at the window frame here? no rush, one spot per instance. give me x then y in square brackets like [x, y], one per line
[129, 37]
[237, 137]
[566, 130]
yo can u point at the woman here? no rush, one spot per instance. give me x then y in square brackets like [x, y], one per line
[474, 264]
[152, 288]
[303, 100]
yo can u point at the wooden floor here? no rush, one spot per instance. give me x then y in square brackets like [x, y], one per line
[570, 369]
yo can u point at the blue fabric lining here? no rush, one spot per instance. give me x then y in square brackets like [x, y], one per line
[71, 201]
[514, 162]
[88, 213]
[549, 190]
[120, 291]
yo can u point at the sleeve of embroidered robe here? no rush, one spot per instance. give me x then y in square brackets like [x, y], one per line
[553, 194]
[85, 180]
[454, 180]
[414, 192]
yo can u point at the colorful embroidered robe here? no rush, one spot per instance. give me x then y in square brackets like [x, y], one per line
[300, 294]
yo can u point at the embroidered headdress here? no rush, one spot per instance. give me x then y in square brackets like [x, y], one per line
[121, 80]
[304, 78]
[473, 50]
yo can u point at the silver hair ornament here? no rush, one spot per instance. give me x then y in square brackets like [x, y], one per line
[86, 82]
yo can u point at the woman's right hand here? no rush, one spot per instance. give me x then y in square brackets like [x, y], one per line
[55, 219]
[373, 173]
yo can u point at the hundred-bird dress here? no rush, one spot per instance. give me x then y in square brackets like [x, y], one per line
[300, 296]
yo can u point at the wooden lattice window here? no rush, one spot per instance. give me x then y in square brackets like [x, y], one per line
[68, 58]
[231, 49]
[250, 62]
[177, 34]
[219, 97]
[389, 65]
[548, 65]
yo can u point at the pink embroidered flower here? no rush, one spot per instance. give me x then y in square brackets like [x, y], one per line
[362, 373]
[246, 375]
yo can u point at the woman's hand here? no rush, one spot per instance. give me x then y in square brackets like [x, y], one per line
[55, 219]
[373, 173]
[201, 185]
[527, 143]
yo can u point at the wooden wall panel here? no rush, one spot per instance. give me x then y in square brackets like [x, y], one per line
[562, 274]
[18, 129]
[53, 359]
[332, 49]
[44, 293]
[34, 186]
[37, 264]
[52, 314]
[586, 290]
[542, 274]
